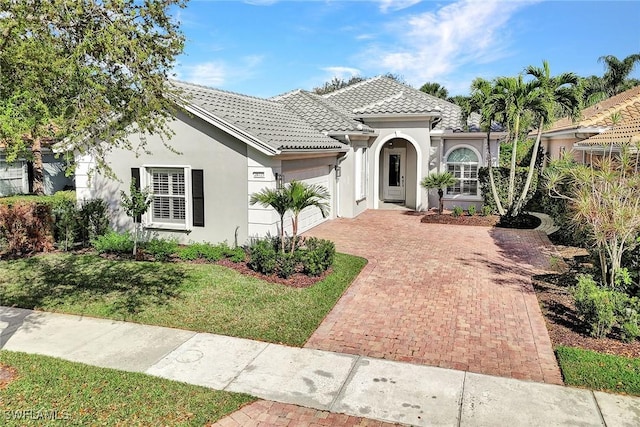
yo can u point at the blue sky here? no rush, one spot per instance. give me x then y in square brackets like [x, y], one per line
[267, 47]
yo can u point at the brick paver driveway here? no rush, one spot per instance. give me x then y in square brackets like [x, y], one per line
[458, 297]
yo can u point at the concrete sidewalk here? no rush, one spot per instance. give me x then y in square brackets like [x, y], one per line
[354, 385]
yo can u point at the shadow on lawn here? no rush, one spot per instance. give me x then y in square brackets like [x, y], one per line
[123, 287]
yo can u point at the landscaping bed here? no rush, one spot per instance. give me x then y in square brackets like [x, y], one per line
[447, 217]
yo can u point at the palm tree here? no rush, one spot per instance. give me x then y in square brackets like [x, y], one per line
[482, 101]
[439, 180]
[616, 76]
[301, 196]
[517, 98]
[435, 89]
[559, 96]
[279, 200]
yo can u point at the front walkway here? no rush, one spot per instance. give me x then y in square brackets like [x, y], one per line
[456, 297]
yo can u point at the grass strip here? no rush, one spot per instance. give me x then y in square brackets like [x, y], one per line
[49, 390]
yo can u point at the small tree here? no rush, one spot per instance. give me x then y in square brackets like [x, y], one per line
[439, 180]
[303, 196]
[135, 205]
[279, 200]
[604, 200]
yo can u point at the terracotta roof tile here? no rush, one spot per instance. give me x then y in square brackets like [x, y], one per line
[618, 135]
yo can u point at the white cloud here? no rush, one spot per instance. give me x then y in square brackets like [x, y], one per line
[218, 73]
[342, 72]
[394, 5]
[430, 46]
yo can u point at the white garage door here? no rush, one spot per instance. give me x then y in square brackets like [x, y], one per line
[311, 216]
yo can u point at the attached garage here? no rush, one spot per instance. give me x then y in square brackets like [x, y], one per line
[319, 175]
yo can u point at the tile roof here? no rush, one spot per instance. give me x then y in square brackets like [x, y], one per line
[382, 95]
[268, 121]
[618, 135]
[627, 104]
[321, 113]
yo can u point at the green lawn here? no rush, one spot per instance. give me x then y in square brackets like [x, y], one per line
[198, 297]
[56, 392]
[597, 371]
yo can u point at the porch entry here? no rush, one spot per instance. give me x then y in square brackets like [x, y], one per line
[394, 173]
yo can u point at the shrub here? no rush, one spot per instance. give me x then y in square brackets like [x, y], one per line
[629, 318]
[26, 226]
[471, 210]
[486, 210]
[318, 256]
[457, 211]
[93, 220]
[285, 264]
[65, 221]
[595, 305]
[161, 249]
[262, 256]
[205, 251]
[113, 242]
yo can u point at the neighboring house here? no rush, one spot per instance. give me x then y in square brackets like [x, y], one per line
[603, 127]
[17, 177]
[368, 144]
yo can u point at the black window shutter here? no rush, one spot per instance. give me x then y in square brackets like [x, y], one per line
[197, 195]
[135, 177]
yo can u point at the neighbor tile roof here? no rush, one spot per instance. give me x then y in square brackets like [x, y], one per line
[618, 135]
[268, 121]
[627, 104]
[382, 95]
[321, 113]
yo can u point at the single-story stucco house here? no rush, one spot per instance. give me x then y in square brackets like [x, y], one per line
[602, 128]
[369, 144]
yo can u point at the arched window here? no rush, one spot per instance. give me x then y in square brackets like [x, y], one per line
[462, 163]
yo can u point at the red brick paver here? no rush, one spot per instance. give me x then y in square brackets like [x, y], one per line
[457, 297]
[266, 413]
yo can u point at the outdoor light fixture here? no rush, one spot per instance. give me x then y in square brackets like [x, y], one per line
[338, 171]
[279, 181]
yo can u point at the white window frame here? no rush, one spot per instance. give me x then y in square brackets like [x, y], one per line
[146, 178]
[361, 173]
[465, 166]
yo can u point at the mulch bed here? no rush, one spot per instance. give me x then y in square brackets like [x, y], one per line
[297, 280]
[448, 218]
[558, 308]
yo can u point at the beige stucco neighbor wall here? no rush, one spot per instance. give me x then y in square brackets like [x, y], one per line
[201, 146]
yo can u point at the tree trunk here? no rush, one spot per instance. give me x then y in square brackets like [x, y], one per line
[494, 190]
[440, 203]
[512, 172]
[38, 172]
[294, 227]
[532, 165]
[282, 233]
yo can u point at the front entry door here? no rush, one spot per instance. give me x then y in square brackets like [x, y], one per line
[393, 189]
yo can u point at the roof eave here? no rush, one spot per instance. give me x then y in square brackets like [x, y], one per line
[402, 116]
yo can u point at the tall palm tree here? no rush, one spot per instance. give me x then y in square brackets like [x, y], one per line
[435, 89]
[279, 200]
[482, 101]
[518, 98]
[439, 180]
[301, 196]
[559, 96]
[616, 76]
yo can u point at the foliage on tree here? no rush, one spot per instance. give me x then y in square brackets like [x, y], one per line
[136, 204]
[339, 83]
[303, 195]
[604, 199]
[435, 89]
[615, 79]
[440, 181]
[279, 200]
[86, 74]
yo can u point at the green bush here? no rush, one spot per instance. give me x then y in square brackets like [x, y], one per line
[486, 210]
[65, 222]
[161, 249]
[595, 305]
[206, 251]
[471, 210]
[113, 242]
[501, 178]
[262, 256]
[285, 264]
[93, 220]
[318, 256]
[457, 211]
